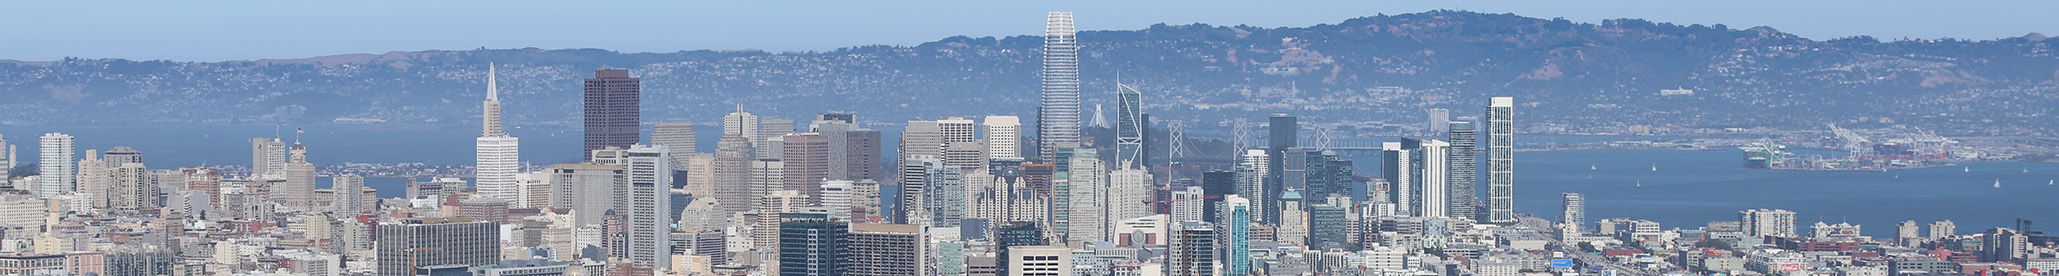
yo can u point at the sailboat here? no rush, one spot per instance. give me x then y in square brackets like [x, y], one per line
[2026, 169]
[1967, 169]
[1654, 167]
[1998, 183]
[1592, 167]
[1640, 183]
[2049, 182]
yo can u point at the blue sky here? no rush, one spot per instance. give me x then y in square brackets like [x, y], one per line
[237, 30]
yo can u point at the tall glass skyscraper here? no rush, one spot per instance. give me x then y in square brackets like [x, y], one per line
[1058, 118]
[1464, 173]
[1501, 160]
[1129, 128]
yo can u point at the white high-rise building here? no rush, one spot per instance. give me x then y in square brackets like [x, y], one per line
[1432, 187]
[56, 167]
[646, 203]
[740, 123]
[1187, 204]
[1058, 118]
[1767, 222]
[958, 130]
[498, 156]
[1088, 186]
[1501, 160]
[267, 158]
[1004, 136]
[836, 196]
[349, 190]
[1127, 191]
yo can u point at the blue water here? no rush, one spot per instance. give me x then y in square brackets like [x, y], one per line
[1689, 189]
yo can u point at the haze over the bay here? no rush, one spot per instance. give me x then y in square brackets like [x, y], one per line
[258, 30]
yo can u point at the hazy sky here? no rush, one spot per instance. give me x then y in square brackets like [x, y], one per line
[234, 30]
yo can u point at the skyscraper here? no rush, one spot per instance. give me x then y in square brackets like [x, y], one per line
[1127, 191]
[93, 180]
[766, 177]
[740, 123]
[1004, 136]
[732, 168]
[1193, 249]
[1058, 118]
[1235, 235]
[132, 190]
[1767, 222]
[770, 141]
[812, 243]
[677, 136]
[887, 249]
[1464, 177]
[807, 163]
[1440, 120]
[497, 156]
[349, 194]
[1501, 160]
[1430, 183]
[1087, 184]
[298, 189]
[1129, 128]
[121, 155]
[587, 189]
[612, 110]
[647, 202]
[920, 138]
[1329, 222]
[1572, 213]
[1251, 179]
[1285, 134]
[420, 242]
[6, 160]
[1400, 174]
[267, 158]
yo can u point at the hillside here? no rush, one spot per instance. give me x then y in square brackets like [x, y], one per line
[1378, 73]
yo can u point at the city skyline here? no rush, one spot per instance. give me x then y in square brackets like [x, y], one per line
[979, 194]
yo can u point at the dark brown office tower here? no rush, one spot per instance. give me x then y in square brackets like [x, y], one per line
[612, 110]
[807, 163]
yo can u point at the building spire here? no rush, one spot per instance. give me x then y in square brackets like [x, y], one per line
[490, 125]
[492, 88]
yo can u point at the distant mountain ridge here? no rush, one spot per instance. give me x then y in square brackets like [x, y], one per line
[1375, 74]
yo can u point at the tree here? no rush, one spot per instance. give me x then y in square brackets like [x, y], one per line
[1587, 247]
